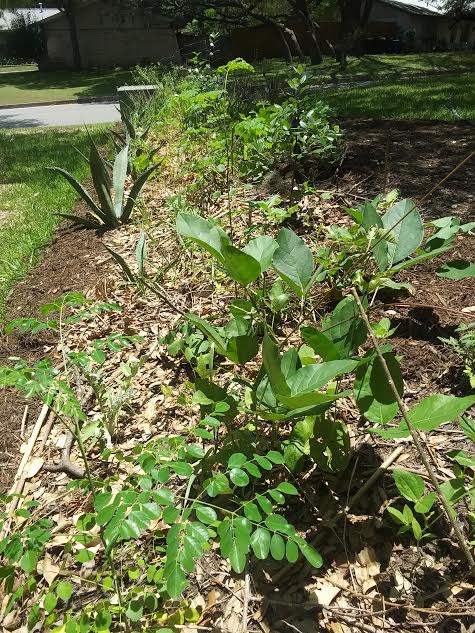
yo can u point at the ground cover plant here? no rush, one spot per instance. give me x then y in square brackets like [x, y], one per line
[213, 432]
[32, 197]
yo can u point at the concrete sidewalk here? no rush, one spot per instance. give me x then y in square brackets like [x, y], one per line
[78, 114]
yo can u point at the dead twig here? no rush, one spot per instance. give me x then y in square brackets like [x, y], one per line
[65, 465]
[23, 422]
[416, 438]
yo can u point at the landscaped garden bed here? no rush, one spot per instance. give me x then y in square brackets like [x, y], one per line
[188, 477]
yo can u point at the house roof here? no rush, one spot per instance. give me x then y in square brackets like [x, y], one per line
[35, 15]
[418, 7]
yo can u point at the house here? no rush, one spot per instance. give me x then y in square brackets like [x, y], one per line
[7, 20]
[109, 34]
[394, 26]
[424, 25]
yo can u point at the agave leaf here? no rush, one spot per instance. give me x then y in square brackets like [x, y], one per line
[88, 224]
[119, 175]
[135, 191]
[102, 185]
[141, 254]
[123, 264]
[81, 191]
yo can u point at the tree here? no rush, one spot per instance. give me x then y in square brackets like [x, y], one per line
[24, 40]
[354, 16]
[69, 8]
[227, 14]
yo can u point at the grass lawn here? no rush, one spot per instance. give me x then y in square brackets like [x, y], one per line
[447, 98]
[18, 68]
[32, 87]
[379, 66]
[31, 195]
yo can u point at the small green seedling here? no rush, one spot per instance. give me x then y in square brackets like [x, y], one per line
[412, 488]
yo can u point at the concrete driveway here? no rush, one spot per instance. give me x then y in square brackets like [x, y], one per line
[59, 115]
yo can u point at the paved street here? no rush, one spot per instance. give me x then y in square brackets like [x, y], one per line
[59, 115]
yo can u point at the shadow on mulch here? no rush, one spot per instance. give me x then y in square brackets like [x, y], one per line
[72, 262]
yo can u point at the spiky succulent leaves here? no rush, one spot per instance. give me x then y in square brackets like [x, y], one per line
[102, 185]
[96, 212]
[135, 192]
[126, 120]
[129, 275]
[119, 174]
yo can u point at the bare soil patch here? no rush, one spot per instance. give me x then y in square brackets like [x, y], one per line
[72, 262]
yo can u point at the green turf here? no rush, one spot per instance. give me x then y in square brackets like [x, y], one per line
[33, 87]
[448, 98]
[31, 196]
[379, 66]
[19, 68]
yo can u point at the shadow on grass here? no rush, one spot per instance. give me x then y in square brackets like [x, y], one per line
[85, 84]
[448, 98]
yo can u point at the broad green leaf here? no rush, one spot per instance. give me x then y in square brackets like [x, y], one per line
[320, 343]
[235, 541]
[424, 505]
[218, 485]
[236, 460]
[373, 395]
[134, 611]
[64, 590]
[242, 349]
[276, 522]
[313, 377]
[272, 364]
[311, 554]
[437, 409]
[453, 490]
[305, 401]
[275, 457]
[291, 551]
[458, 269]
[240, 266]
[371, 218]
[175, 578]
[293, 261]
[406, 226]
[429, 414]
[265, 504]
[278, 297]
[205, 514]
[263, 462]
[251, 512]
[205, 234]
[277, 496]
[103, 620]
[330, 444]
[209, 331]
[397, 515]
[277, 547]
[468, 427]
[50, 602]
[29, 561]
[410, 485]
[183, 469]
[416, 528]
[345, 327]
[260, 543]
[239, 477]
[262, 249]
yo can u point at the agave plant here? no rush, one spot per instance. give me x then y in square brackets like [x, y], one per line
[112, 208]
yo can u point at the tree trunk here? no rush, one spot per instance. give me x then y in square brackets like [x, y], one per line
[287, 51]
[293, 38]
[284, 30]
[70, 11]
[301, 6]
[354, 17]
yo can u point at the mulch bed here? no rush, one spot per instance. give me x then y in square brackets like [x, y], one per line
[381, 155]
